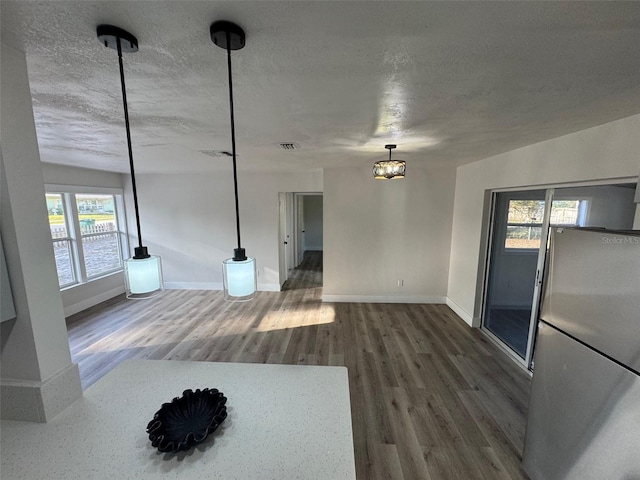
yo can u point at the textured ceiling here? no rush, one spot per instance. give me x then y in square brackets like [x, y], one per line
[449, 82]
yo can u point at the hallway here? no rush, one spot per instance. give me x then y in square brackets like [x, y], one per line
[306, 275]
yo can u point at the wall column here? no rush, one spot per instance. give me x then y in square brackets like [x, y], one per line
[37, 377]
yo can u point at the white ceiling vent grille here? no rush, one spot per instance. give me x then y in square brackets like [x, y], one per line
[289, 146]
[216, 153]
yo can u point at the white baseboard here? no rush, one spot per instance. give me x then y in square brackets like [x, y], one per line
[262, 287]
[463, 314]
[193, 286]
[40, 401]
[91, 301]
[383, 298]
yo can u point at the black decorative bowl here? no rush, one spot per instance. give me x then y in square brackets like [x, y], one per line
[187, 420]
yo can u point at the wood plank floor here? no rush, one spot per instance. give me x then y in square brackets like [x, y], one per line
[431, 398]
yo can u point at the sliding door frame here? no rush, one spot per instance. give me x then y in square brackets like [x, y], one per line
[493, 205]
[544, 232]
[527, 362]
[540, 268]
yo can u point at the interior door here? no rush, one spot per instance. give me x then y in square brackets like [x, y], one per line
[290, 234]
[282, 238]
[286, 235]
[300, 241]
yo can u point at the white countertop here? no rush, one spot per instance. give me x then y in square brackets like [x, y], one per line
[284, 422]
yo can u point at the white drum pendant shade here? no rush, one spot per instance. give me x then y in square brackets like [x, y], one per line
[143, 276]
[239, 279]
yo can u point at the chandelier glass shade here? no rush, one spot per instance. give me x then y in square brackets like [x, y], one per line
[389, 169]
[142, 272]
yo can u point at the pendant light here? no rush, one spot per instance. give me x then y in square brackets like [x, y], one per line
[239, 272]
[142, 272]
[387, 169]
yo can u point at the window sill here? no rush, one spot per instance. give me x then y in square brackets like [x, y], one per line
[91, 280]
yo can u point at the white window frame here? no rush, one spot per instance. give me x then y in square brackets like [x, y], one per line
[72, 222]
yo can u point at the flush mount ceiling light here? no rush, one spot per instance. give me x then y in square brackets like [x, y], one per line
[387, 169]
[239, 272]
[142, 272]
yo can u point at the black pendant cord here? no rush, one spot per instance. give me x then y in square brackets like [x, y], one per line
[140, 251]
[239, 254]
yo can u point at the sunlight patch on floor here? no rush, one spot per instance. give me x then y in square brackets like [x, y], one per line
[298, 317]
[313, 312]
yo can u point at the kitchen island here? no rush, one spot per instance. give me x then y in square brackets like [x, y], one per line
[284, 422]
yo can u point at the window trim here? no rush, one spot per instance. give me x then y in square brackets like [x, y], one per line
[57, 188]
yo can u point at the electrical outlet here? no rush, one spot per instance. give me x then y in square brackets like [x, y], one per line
[401, 283]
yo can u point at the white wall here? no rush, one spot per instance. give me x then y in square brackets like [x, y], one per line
[83, 177]
[81, 297]
[189, 220]
[608, 151]
[37, 377]
[312, 222]
[377, 232]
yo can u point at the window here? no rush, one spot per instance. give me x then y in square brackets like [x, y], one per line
[62, 240]
[568, 213]
[87, 233]
[524, 220]
[524, 224]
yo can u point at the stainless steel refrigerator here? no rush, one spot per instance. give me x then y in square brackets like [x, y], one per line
[584, 412]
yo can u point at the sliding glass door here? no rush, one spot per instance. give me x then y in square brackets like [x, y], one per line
[518, 246]
[515, 246]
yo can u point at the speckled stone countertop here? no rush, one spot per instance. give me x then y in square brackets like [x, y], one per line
[284, 422]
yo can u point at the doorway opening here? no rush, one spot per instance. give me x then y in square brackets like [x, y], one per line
[520, 223]
[301, 239]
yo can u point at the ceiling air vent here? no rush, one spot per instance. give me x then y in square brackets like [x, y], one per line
[216, 153]
[289, 146]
